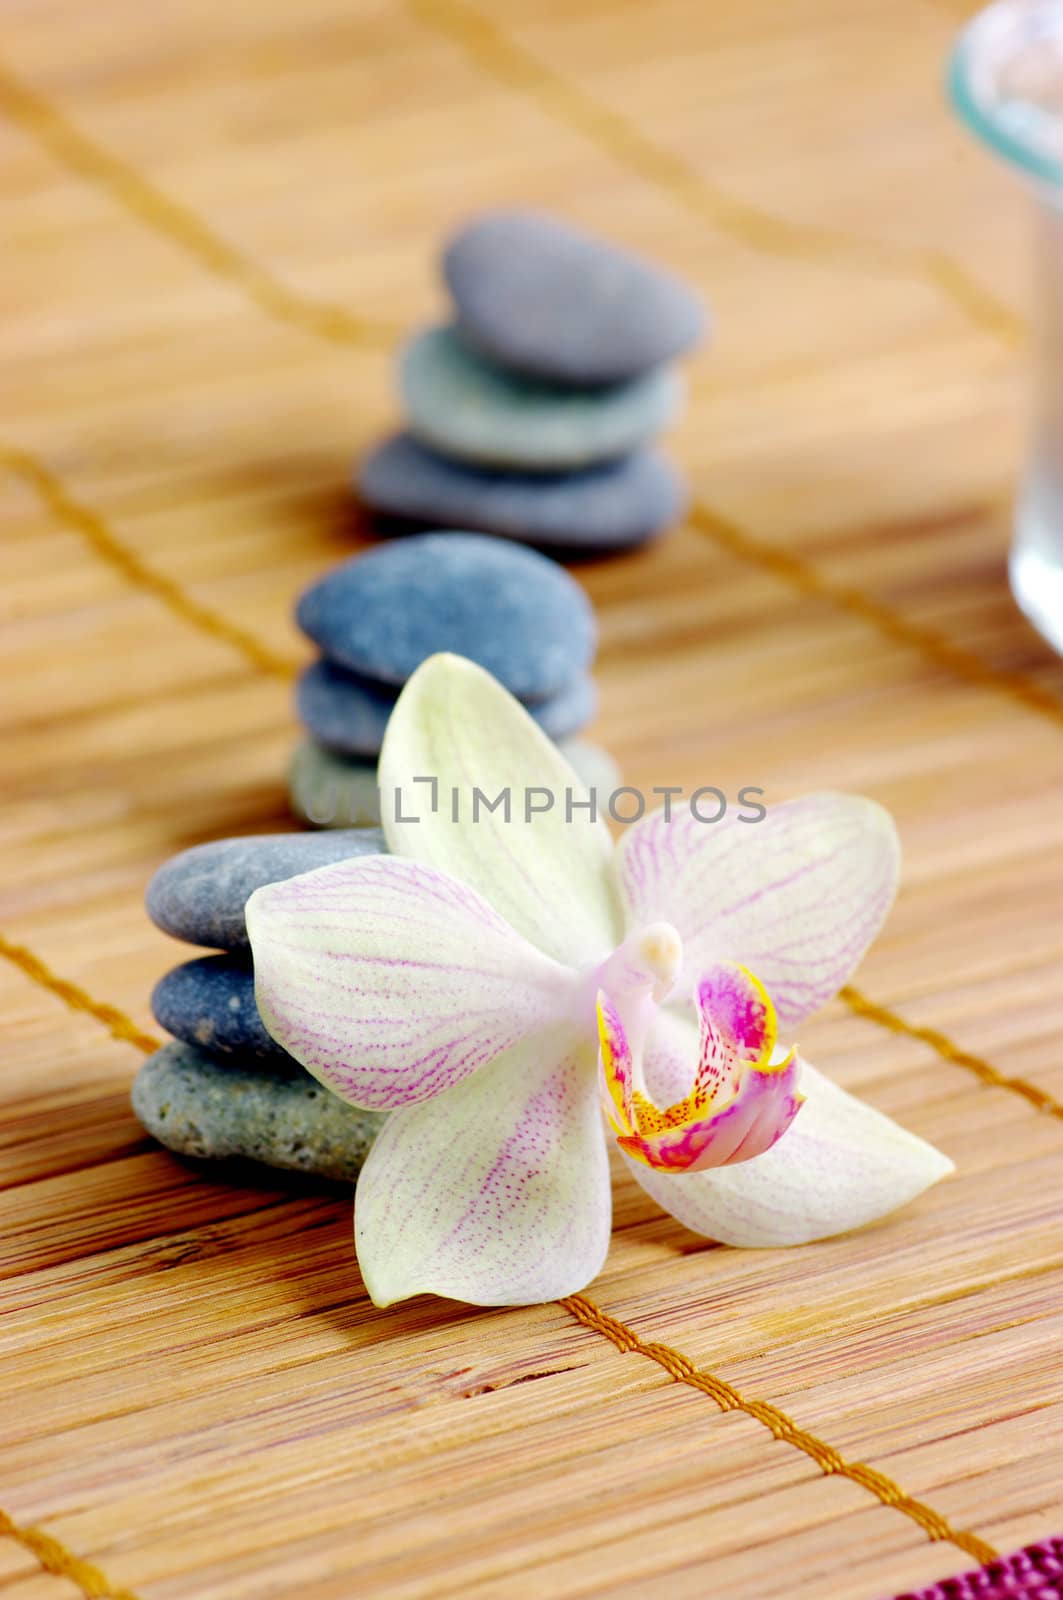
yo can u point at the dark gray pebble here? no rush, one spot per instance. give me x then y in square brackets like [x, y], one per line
[349, 714]
[200, 894]
[598, 509]
[211, 1003]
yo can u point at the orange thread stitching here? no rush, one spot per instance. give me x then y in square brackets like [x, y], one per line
[943, 1045]
[486, 43]
[584, 1311]
[62, 1563]
[829, 1461]
[785, 564]
[91, 526]
[754, 227]
[115, 1021]
[510, 63]
[167, 216]
[800, 574]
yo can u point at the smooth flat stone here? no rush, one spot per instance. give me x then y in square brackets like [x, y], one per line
[514, 612]
[200, 894]
[540, 296]
[342, 710]
[196, 1106]
[211, 1003]
[329, 790]
[349, 715]
[459, 404]
[611, 507]
[325, 787]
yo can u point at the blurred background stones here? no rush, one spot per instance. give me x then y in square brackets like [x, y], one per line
[534, 413]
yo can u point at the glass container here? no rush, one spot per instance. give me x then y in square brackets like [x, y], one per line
[1006, 82]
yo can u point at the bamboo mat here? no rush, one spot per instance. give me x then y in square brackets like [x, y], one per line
[218, 222]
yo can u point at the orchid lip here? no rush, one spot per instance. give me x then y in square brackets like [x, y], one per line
[739, 1103]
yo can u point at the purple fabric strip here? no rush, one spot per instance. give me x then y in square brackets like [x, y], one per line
[1035, 1573]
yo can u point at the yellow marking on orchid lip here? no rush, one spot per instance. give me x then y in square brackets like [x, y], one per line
[771, 1027]
[609, 1025]
[652, 1119]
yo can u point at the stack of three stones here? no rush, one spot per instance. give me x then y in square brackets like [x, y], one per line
[532, 414]
[222, 1087]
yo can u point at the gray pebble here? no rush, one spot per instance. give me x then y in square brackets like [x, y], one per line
[342, 710]
[540, 296]
[510, 610]
[459, 404]
[349, 714]
[211, 1003]
[197, 1106]
[616, 506]
[200, 894]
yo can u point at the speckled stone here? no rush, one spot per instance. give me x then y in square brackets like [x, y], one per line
[324, 787]
[538, 295]
[611, 507]
[197, 1106]
[211, 1003]
[348, 714]
[200, 894]
[460, 405]
[329, 790]
[514, 612]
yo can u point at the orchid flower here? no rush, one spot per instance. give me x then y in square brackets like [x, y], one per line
[494, 983]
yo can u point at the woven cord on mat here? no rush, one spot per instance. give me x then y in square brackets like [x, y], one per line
[1035, 1573]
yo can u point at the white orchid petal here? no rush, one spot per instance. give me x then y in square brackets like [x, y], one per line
[497, 1193]
[840, 1165]
[796, 897]
[390, 982]
[455, 727]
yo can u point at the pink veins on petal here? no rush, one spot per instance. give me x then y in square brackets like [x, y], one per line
[740, 1104]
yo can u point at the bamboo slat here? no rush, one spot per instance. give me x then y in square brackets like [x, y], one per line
[219, 220]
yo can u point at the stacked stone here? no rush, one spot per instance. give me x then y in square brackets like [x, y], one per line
[379, 615]
[532, 414]
[530, 417]
[222, 1087]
